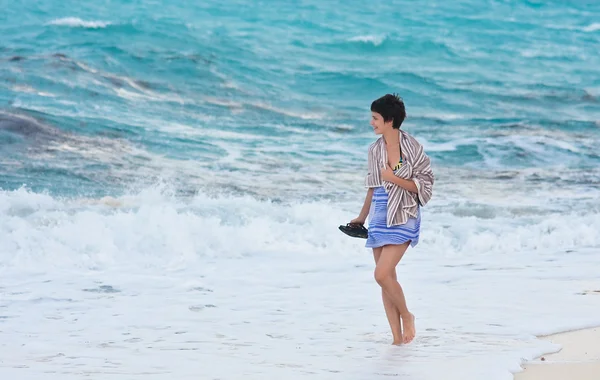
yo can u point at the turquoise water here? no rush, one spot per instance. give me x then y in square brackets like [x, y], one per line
[172, 178]
[129, 92]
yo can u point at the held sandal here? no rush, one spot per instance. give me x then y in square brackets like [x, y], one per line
[354, 230]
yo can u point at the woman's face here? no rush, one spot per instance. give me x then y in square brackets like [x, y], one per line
[380, 126]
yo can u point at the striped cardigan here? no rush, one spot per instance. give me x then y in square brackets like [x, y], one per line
[416, 166]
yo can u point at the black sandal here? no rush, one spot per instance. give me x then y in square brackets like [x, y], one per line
[355, 230]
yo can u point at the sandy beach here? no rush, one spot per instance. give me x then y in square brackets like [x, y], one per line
[579, 358]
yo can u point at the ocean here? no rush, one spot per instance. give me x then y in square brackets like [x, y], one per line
[172, 179]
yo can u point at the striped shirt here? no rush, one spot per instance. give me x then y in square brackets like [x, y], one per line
[416, 166]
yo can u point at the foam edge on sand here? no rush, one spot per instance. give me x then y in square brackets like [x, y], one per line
[579, 358]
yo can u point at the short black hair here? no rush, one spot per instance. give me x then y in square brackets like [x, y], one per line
[390, 107]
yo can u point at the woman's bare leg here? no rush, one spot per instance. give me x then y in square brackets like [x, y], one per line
[385, 276]
[392, 313]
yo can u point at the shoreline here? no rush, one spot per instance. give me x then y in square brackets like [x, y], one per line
[578, 359]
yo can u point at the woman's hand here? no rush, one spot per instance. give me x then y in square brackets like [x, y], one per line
[359, 220]
[387, 174]
[403, 178]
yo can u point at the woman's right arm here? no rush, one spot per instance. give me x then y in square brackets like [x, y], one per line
[364, 212]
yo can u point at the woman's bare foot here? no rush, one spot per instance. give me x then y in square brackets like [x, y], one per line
[408, 328]
[397, 341]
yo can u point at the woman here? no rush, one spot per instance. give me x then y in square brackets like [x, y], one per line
[399, 182]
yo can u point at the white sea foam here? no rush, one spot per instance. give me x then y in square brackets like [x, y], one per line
[592, 27]
[76, 22]
[235, 287]
[31, 90]
[376, 40]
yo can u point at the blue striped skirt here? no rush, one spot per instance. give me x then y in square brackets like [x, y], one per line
[380, 234]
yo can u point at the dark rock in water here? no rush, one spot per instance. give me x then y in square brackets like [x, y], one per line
[27, 126]
[589, 97]
[116, 81]
[103, 289]
[201, 307]
[16, 58]
[143, 84]
[64, 61]
[202, 289]
[506, 175]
